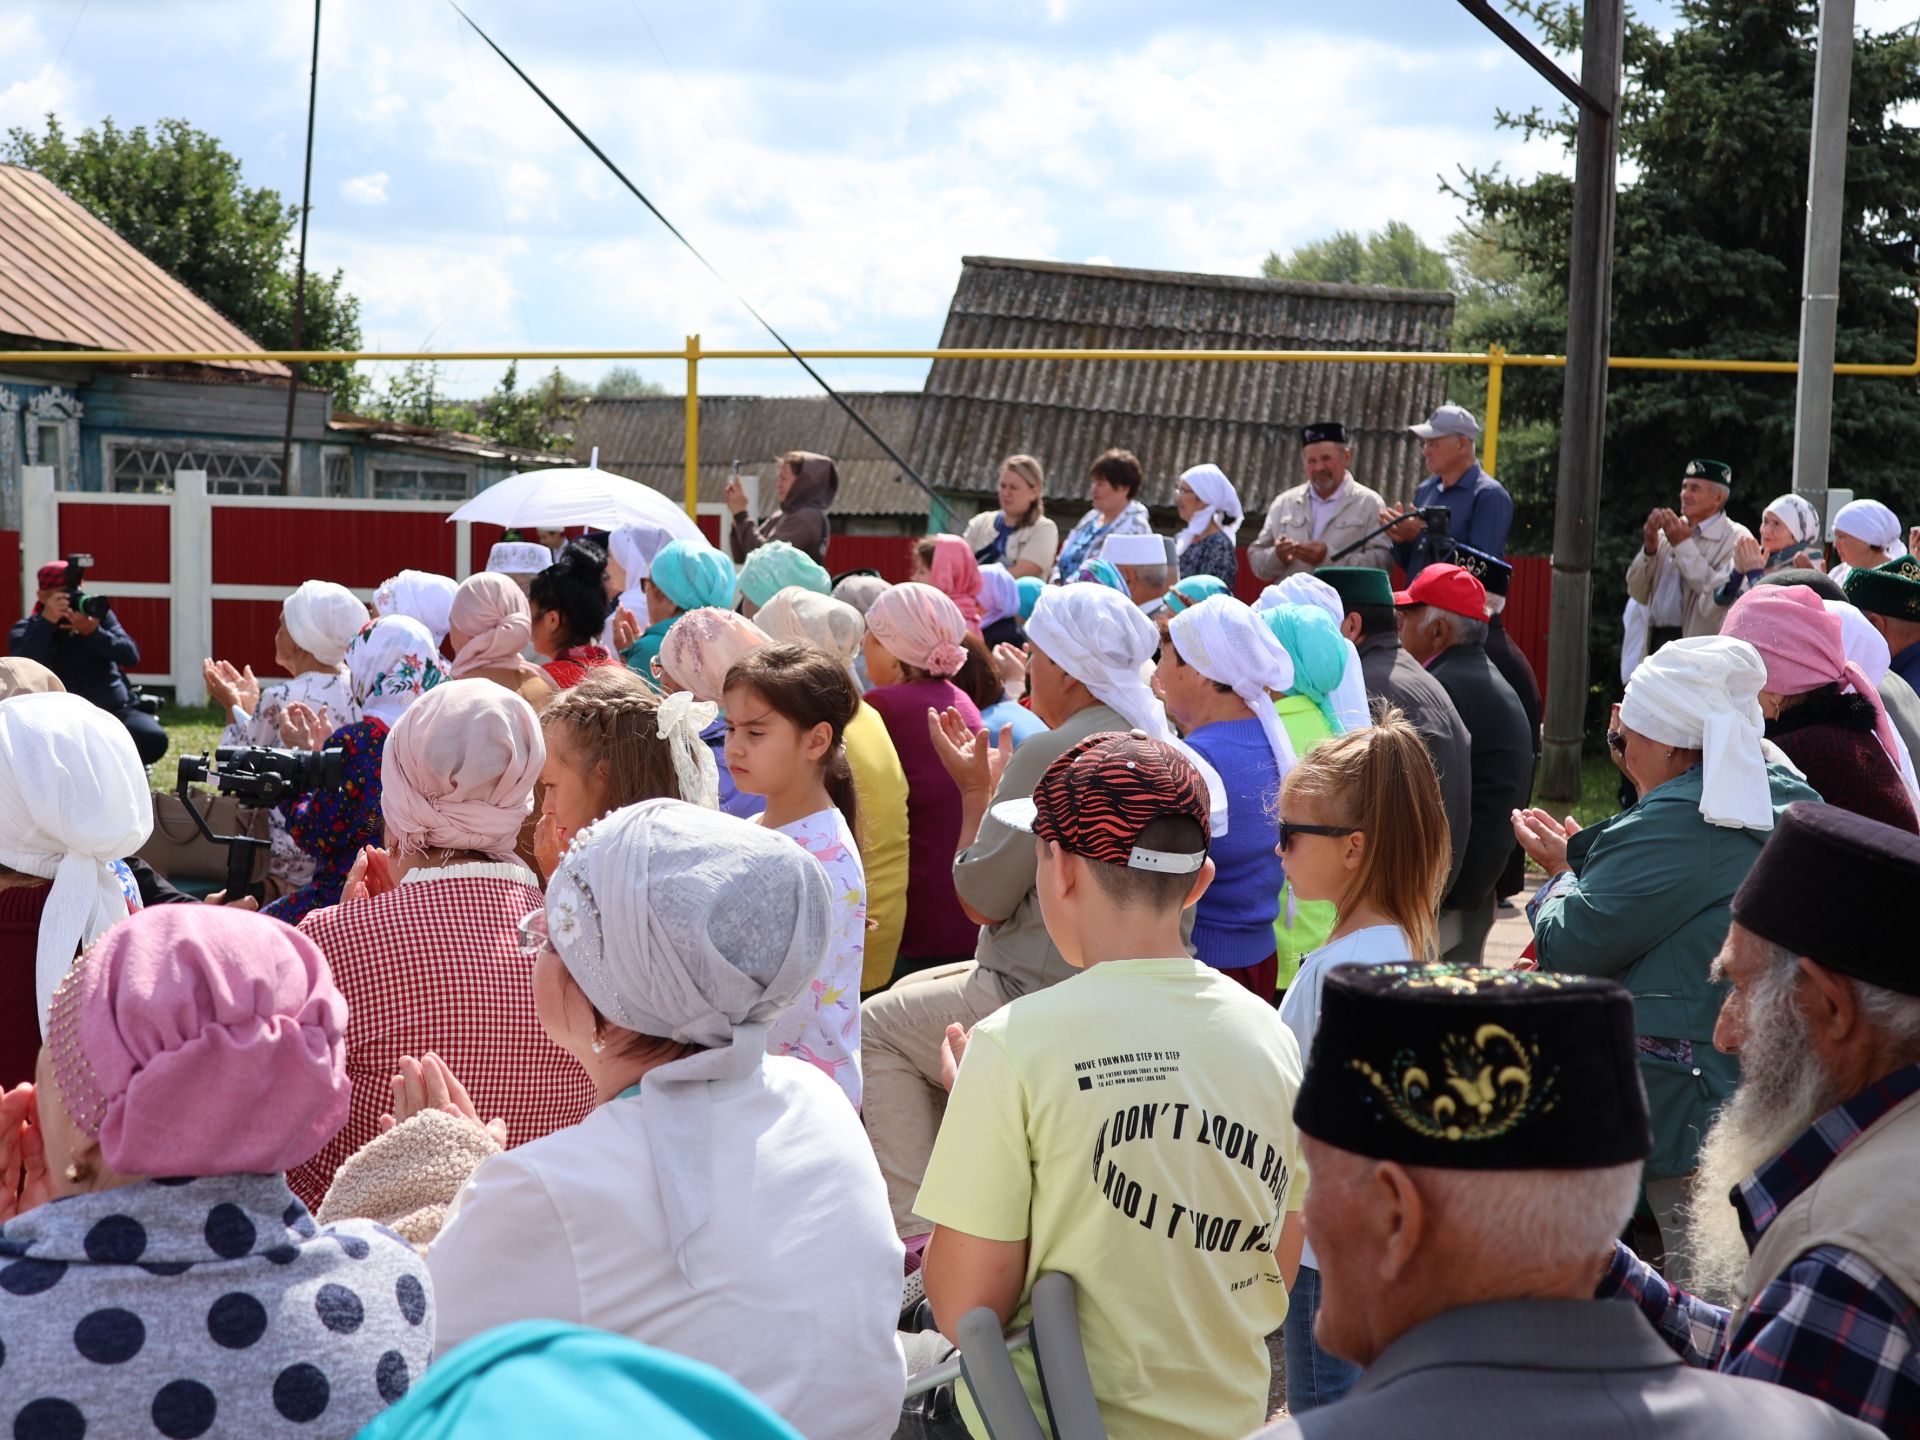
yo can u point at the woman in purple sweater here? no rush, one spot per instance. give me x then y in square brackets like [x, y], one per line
[913, 649]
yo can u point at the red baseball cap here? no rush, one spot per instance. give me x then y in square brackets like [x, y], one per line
[1097, 798]
[52, 575]
[1446, 587]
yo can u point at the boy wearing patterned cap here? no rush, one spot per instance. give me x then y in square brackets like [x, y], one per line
[1128, 1127]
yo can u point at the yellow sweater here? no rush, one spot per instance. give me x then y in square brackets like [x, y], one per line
[880, 786]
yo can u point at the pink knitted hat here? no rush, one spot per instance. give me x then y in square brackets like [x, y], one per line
[921, 627]
[1803, 645]
[201, 1040]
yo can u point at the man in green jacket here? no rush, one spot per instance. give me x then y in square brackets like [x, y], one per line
[1644, 897]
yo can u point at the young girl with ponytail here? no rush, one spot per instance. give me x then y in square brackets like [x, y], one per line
[787, 712]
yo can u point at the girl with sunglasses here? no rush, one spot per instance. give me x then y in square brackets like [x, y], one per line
[1361, 824]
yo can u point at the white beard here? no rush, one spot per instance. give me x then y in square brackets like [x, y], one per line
[1783, 1090]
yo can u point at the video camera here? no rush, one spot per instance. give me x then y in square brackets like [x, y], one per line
[255, 775]
[1438, 518]
[94, 607]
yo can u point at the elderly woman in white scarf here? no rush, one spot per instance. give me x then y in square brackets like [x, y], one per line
[318, 621]
[1789, 536]
[1644, 898]
[73, 802]
[1210, 506]
[1867, 535]
[717, 1201]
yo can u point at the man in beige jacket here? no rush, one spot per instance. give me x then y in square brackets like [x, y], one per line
[1687, 557]
[1312, 522]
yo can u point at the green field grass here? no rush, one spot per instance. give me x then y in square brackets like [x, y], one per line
[191, 730]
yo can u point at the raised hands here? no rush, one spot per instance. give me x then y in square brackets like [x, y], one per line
[1011, 662]
[371, 875]
[974, 763]
[302, 727]
[229, 687]
[23, 1157]
[626, 628]
[1544, 838]
[427, 1084]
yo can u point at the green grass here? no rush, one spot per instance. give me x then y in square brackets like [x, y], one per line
[191, 730]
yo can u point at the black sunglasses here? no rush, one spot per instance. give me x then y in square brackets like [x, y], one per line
[1287, 832]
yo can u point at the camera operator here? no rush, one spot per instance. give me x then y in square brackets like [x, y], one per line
[1479, 505]
[88, 652]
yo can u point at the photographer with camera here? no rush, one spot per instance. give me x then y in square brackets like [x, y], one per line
[1479, 510]
[78, 638]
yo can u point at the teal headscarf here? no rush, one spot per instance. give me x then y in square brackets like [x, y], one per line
[775, 566]
[1192, 590]
[538, 1377]
[692, 574]
[1319, 653]
[1031, 587]
[1100, 572]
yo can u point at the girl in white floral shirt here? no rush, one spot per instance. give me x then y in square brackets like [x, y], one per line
[787, 708]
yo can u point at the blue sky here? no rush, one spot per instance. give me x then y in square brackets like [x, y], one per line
[834, 160]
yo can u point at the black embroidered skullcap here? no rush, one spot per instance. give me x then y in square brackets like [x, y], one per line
[1330, 432]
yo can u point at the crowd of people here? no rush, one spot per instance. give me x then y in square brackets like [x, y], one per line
[711, 979]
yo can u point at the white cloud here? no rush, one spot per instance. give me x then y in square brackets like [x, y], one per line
[366, 189]
[28, 100]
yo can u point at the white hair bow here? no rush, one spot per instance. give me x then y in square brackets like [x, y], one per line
[680, 721]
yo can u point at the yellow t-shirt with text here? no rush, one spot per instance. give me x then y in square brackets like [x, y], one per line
[1134, 1124]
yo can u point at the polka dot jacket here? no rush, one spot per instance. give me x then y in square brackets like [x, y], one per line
[217, 1307]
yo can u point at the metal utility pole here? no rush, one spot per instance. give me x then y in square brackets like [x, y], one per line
[1583, 402]
[1820, 279]
[300, 266]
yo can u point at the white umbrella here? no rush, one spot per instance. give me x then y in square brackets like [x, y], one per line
[555, 499]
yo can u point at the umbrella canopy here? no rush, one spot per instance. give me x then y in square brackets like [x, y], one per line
[555, 499]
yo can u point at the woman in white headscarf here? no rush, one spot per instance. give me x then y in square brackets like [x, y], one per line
[1867, 535]
[717, 1201]
[318, 622]
[73, 800]
[1789, 536]
[1644, 898]
[1210, 506]
[420, 595]
[391, 663]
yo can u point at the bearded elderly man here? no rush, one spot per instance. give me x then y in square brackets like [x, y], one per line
[1818, 1150]
[1471, 1134]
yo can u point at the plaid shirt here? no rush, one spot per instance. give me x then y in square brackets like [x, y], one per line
[435, 964]
[1830, 1325]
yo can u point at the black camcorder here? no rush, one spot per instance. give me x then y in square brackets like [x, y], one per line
[1438, 518]
[94, 607]
[261, 775]
[255, 775]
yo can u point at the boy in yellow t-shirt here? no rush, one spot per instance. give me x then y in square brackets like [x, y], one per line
[1131, 1127]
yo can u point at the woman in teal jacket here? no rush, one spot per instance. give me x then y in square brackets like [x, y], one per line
[1643, 897]
[685, 575]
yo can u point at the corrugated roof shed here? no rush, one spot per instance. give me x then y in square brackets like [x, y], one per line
[644, 439]
[67, 280]
[1241, 416]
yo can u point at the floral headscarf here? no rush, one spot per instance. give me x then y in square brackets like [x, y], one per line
[392, 663]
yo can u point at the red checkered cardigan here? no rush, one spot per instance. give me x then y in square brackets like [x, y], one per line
[435, 964]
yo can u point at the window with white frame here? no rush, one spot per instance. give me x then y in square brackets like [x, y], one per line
[143, 465]
[338, 474]
[420, 482]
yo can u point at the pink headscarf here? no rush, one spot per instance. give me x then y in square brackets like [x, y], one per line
[1803, 645]
[702, 646]
[202, 1040]
[956, 574]
[492, 612]
[921, 627]
[458, 770]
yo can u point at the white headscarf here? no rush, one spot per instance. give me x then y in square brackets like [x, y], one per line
[323, 618]
[423, 596]
[1867, 648]
[634, 547]
[391, 664]
[1703, 694]
[518, 557]
[1099, 637]
[1225, 641]
[1349, 697]
[73, 799]
[1871, 523]
[1796, 512]
[1218, 501]
[688, 924]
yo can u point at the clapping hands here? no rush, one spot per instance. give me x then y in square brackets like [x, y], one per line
[23, 1156]
[427, 1084]
[974, 762]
